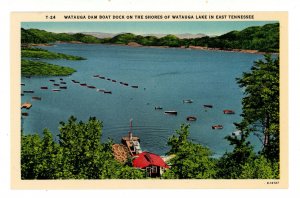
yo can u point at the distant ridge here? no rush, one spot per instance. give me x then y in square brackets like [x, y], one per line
[260, 38]
[111, 35]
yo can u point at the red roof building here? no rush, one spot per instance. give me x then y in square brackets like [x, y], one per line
[151, 162]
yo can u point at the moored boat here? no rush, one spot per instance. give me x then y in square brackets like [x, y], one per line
[44, 87]
[96, 76]
[217, 126]
[28, 91]
[75, 81]
[63, 83]
[56, 84]
[158, 108]
[25, 114]
[107, 92]
[83, 84]
[227, 111]
[36, 98]
[188, 101]
[101, 77]
[191, 118]
[113, 81]
[171, 112]
[22, 84]
[208, 106]
[91, 87]
[52, 80]
[56, 90]
[101, 90]
[135, 86]
[63, 87]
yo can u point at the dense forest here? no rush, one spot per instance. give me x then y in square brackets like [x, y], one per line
[262, 38]
[38, 68]
[80, 153]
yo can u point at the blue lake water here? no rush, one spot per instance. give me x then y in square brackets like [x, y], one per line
[165, 77]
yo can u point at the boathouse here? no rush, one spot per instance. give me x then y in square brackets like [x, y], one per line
[153, 164]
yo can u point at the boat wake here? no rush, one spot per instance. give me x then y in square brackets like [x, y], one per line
[123, 129]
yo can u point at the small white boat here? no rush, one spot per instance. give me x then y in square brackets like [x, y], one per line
[188, 101]
[171, 112]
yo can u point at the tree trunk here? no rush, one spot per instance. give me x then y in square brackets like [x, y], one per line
[266, 132]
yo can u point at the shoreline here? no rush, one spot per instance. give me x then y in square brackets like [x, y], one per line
[133, 44]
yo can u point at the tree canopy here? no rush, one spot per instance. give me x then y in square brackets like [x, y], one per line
[79, 154]
[191, 160]
[261, 103]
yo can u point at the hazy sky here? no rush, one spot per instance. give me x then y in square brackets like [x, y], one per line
[208, 28]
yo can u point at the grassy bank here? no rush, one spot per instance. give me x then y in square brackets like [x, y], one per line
[45, 54]
[33, 68]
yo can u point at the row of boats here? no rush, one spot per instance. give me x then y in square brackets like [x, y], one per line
[114, 81]
[91, 87]
[194, 118]
[61, 84]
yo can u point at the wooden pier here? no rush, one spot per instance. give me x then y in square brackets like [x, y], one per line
[132, 143]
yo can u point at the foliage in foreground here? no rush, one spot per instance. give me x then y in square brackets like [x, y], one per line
[191, 160]
[79, 154]
[260, 118]
[37, 68]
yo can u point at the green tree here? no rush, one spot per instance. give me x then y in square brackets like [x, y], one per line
[191, 160]
[260, 118]
[261, 103]
[260, 168]
[230, 165]
[169, 40]
[82, 149]
[128, 172]
[30, 156]
[38, 156]
[79, 154]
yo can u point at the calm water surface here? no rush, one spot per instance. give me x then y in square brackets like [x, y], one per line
[165, 77]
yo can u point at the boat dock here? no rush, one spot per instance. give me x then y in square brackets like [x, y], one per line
[132, 143]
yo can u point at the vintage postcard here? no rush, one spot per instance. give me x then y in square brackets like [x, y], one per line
[149, 100]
